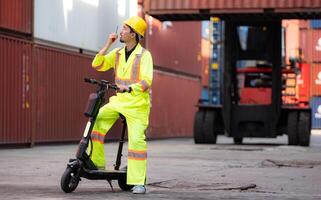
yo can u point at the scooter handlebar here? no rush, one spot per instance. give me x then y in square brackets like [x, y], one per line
[105, 83]
[90, 80]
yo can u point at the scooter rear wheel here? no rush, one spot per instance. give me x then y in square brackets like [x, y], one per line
[69, 181]
[122, 182]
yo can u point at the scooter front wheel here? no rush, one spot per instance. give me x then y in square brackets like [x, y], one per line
[69, 181]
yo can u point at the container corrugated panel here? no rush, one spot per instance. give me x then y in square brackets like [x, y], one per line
[304, 24]
[16, 15]
[174, 100]
[316, 23]
[303, 82]
[202, 9]
[182, 5]
[305, 45]
[310, 42]
[316, 112]
[176, 45]
[62, 94]
[316, 80]
[16, 102]
[316, 45]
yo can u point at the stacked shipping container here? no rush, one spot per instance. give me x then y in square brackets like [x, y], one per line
[316, 94]
[16, 72]
[16, 15]
[176, 50]
[173, 105]
[61, 93]
[175, 46]
[16, 103]
[44, 93]
[310, 44]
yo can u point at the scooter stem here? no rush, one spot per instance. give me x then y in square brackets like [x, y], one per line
[121, 142]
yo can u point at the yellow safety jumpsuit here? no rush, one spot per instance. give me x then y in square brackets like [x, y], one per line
[137, 73]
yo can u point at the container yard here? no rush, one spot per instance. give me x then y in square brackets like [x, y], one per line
[160, 99]
[53, 58]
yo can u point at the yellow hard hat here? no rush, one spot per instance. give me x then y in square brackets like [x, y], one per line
[138, 24]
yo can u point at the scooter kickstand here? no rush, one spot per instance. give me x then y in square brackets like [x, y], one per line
[111, 185]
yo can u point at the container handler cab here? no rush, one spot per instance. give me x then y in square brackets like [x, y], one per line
[253, 100]
[251, 89]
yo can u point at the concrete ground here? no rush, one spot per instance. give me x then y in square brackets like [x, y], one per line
[177, 169]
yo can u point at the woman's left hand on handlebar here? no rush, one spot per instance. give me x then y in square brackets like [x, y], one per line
[123, 88]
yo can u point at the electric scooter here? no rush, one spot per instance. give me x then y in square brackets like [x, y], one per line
[82, 166]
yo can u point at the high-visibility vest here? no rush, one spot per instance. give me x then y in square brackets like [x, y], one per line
[136, 72]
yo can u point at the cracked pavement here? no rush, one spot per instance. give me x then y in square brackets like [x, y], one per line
[177, 169]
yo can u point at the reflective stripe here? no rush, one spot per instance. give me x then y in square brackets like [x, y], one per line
[137, 155]
[117, 61]
[97, 137]
[124, 82]
[136, 66]
[145, 85]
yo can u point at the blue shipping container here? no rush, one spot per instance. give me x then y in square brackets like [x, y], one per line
[315, 23]
[204, 96]
[316, 112]
[206, 29]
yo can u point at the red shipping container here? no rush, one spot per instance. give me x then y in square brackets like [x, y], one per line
[228, 6]
[316, 44]
[16, 87]
[16, 15]
[305, 45]
[304, 24]
[310, 43]
[62, 94]
[316, 80]
[303, 82]
[175, 45]
[174, 100]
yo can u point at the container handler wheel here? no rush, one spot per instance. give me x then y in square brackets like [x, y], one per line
[304, 129]
[292, 128]
[198, 127]
[209, 125]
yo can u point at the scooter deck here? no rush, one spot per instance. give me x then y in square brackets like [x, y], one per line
[103, 174]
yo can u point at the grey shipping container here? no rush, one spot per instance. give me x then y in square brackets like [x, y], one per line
[82, 24]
